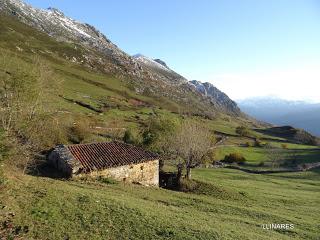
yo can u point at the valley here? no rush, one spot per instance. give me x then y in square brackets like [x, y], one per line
[64, 82]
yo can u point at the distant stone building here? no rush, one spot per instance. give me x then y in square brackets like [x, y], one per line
[117, 160]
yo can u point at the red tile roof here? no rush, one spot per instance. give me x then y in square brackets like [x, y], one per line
[98, 156]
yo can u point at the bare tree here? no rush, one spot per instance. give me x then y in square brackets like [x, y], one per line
[26, 94]
[24, 90]
[189, 144]
[274, 155]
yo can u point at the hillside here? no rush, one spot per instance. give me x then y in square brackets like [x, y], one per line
[217, 98]
[64, 82]
[90, 48]
[160, 67]
[234, 207]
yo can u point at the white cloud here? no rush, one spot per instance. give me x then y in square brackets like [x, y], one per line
[300, 83]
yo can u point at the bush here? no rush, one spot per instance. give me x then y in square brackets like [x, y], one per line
[284, 146]
[261, 164]
[159, 128]
[243, 131]
[258, 143]
[44, 132]
[3, 147]
[186, 185]
[209, 158]
[79, 131]
[234, 158]
[270, 145]
[128, 137]
[132, 136]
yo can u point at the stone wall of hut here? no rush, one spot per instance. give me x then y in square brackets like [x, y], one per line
[146, 173]
[62, 159]
[59, 157]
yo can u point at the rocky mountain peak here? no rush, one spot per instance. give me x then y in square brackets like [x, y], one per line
[155, 63]
[101, 54]
[161, 62]
[217, 97]
[55, 10]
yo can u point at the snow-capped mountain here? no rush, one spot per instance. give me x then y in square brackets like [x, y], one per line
[151, 62]
[217, 97]
[94, 50]
[160, 67]
[55, 23]
[161, 62]
[64, 29]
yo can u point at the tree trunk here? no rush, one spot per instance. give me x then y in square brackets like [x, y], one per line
[179, 173]
[161, 165]
[188, 175]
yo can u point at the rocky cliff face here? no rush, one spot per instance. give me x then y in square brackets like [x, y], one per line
[160, 67]
[217, 98]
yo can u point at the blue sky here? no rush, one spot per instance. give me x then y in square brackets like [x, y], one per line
[245, 47]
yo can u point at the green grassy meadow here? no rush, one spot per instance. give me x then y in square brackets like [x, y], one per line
[231, 205]
[234, 207]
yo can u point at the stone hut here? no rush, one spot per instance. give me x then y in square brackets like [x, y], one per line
[117, 160]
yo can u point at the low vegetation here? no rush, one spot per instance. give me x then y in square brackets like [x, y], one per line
[234, 158]
[228, 204]
[46, 100]
[243, 131]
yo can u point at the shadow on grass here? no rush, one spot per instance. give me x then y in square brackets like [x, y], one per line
[298, 160]
[169, 181]
[301, 156]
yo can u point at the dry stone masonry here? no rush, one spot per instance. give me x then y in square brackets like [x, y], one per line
[117, 160]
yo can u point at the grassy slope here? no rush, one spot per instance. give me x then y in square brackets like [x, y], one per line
[113, 96]
[240, 204]
[254, 155]
[234, 208]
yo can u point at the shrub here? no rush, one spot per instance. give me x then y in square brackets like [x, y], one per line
[3, 147]
[243, 131]
[209, 158]
[79, 131]
[25, 91]
[258, 143]
[186, 185]
[261, 164]
[234, 158]
[270, 145]
[132, 136]
[159, 128]
[44, 132]
[284, 146]
[128, 137]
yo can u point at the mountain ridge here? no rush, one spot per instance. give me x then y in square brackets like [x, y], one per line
[101, 54]
[216, 96]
